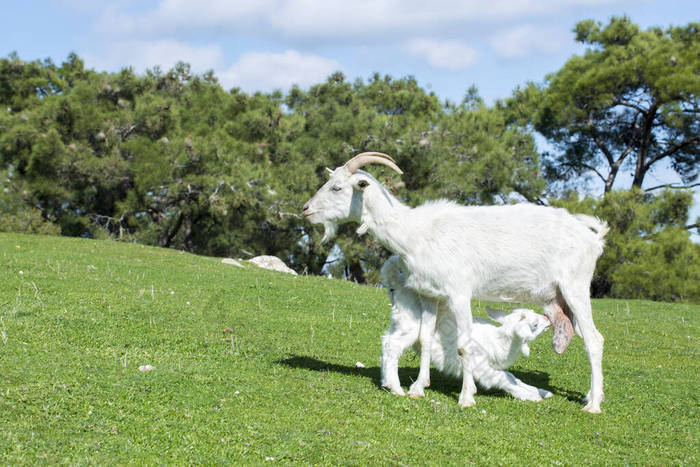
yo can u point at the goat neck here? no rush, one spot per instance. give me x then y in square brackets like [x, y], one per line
[385, 217]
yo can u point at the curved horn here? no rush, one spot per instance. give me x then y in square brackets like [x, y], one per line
[369, 158]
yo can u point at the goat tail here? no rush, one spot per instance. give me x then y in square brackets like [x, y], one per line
[597, 225]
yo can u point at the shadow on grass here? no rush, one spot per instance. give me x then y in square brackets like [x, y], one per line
[439, 382]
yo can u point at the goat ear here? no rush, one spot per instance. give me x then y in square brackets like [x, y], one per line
[330, 171]
[361, 184]
[496, 315]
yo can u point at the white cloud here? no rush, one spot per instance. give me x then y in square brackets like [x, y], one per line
[448, 55]
[328, 19]
[262, 71]
[522, 41]
[253, 71]
[143, 55]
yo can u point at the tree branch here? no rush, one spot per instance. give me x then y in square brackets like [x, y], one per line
[630, 105]
[671, 185]
[671, 150]
[588, 167]
[599, 143]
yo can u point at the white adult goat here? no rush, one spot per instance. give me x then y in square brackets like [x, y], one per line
[522, 253]
[494, 348]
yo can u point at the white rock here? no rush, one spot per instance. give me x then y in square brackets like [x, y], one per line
[273, 263]
[232, 262]
[147, 368]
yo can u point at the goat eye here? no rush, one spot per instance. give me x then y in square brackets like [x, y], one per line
[336, 188]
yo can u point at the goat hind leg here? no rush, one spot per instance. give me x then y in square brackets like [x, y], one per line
[580, 304]
[461, 307]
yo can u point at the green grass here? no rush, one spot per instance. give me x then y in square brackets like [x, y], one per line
[78, 318]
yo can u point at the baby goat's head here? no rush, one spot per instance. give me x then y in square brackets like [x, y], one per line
[521, 323]
[339, 200]
[393, 277]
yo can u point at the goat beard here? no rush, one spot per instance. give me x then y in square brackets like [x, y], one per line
[329, 231]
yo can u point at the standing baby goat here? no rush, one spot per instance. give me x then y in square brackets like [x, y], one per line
[517, 253]
[494, 348]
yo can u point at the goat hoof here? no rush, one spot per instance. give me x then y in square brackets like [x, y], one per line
[467, 403]
[398, 391]
[545, 394]
[592, 408]
[416, 391]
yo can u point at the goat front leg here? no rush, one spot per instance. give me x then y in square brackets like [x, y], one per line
[391, 352]
[428, 321]
[461, 307]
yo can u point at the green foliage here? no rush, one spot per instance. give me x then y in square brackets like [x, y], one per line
[251, 365]
[16, 215]
[666, 268]
[648, 252]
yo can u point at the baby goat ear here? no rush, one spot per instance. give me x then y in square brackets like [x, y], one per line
[496, 315]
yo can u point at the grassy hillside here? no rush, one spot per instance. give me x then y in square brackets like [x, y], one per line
[254, 366]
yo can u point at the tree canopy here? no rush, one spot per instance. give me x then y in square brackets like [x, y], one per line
[629, 102]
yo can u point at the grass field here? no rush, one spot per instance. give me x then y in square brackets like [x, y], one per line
[253, 366]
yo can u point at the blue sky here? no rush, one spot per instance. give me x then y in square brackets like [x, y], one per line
[447, 45]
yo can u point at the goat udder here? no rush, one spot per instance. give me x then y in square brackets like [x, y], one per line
[563, 329]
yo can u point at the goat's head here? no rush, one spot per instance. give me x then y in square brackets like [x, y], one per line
[522, 323]
[339, 200]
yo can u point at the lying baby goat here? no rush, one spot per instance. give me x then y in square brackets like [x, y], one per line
[494, 348]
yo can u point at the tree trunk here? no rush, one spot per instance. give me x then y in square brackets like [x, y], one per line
[355, 273]
[168, 235]
[189, 244]
[641, 167]
[610, 180]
